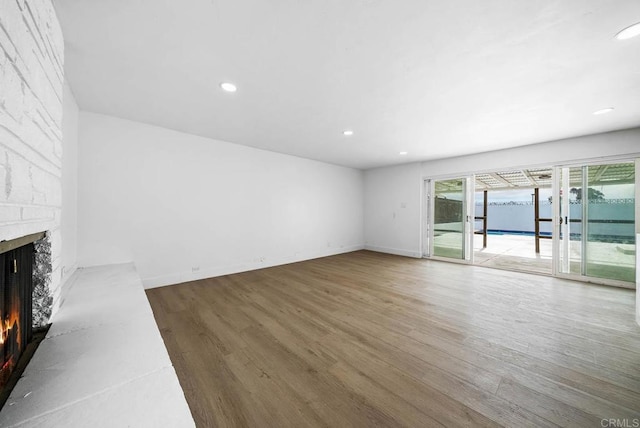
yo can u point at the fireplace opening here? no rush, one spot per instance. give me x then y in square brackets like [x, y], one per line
[16, 269]
[19, 268]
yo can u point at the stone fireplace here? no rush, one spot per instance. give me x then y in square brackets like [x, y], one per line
[31, 113]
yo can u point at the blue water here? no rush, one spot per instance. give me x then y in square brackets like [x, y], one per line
[612, 239]
[515, 232]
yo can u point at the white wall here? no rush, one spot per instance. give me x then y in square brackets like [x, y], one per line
[386, 187]
[31, 93]
[616, 143]
[392, 209]
[69, 216]
[172, 202]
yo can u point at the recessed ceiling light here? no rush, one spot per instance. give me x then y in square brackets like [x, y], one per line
[403, 153]
[629, 32]
[603, 111]
[229, 87]
[347, 132]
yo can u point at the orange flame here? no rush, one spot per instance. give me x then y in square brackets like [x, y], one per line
[9, 327]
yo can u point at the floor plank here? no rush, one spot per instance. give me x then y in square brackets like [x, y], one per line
[368, 339]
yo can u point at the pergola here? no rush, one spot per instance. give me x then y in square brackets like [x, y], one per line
[538, 178]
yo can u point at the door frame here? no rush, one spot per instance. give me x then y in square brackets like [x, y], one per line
[557, 226]
[428, 189]
[426, 226]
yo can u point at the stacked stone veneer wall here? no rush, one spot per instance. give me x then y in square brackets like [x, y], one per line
[31, 90]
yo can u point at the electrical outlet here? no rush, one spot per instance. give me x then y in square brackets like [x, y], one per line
[195, 269]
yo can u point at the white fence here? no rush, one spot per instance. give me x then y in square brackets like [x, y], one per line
[612, 218]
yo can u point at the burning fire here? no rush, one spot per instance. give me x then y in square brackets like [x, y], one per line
[10, 344]
[5, 328]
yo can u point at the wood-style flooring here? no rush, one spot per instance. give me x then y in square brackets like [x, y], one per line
[366, 339]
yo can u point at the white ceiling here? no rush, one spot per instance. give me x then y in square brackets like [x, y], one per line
[433, 78]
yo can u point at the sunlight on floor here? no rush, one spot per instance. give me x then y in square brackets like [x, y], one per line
[514, 252]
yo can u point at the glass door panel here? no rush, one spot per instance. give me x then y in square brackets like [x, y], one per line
[570, 260]
[610, 226]
[449, 218]
[597, 221]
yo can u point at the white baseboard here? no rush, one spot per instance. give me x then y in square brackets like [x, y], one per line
[210, 272]
[396, 251]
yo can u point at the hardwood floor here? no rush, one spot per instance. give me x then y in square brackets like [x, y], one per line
[368, 339]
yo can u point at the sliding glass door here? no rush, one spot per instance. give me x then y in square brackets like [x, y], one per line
[594, 216]
[596, 221]
[448, 216]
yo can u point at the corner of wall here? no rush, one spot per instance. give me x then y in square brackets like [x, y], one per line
[69, 181]
[393, 209]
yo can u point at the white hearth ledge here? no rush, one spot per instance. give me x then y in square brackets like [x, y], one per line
[103, 362]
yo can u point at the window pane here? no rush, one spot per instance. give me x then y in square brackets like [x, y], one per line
[448, 236]
[610, 228]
